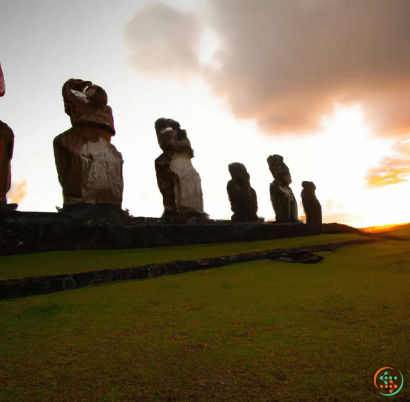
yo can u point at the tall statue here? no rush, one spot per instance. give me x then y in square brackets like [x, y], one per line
[312, 207]
[178, 181]
[89, 167]
[6, 154]
[281, 195]
[242, 196]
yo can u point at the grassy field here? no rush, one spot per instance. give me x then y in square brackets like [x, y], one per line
[261, 331]
[402, 230]
[63, 262]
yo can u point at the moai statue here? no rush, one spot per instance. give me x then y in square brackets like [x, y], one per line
[89, 167]
[242, 196]
[312, 207]
[178, 181]
[6, 154]
[281, 195]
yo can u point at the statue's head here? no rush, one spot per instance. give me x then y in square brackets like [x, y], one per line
[168, 129]
[238, 172]
[279, 170]
[308, 187]
[86, 103]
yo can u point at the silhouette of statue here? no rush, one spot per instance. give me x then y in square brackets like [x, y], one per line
[242, 196]
[6, 154]
[312, 207]
[281, 195]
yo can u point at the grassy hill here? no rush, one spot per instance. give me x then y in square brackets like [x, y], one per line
[260, 331]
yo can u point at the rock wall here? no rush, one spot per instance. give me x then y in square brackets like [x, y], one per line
[28, 232]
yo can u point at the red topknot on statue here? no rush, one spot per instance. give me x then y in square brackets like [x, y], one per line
[2, 84]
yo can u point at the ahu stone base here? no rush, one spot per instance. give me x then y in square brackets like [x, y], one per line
[29, 232]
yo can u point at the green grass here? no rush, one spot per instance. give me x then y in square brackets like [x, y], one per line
[403, 232]
[63, 262]
[260, 331]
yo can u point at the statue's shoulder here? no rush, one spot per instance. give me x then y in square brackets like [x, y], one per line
[5, 130]
[274, 186]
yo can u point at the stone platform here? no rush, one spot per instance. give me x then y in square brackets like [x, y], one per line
[29, 232]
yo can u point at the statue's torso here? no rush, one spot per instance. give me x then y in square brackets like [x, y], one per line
[89, 167]
[187, 184]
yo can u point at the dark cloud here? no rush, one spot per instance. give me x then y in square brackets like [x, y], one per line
[391, 169]
[285, 63]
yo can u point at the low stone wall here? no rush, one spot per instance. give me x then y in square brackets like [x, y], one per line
[56, 283]
[28, 232]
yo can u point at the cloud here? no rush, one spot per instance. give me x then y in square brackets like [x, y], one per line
[392, 169]
[163, 41]
[17, 192]
[285, 63]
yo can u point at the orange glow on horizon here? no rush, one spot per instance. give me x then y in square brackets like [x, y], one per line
[385, 228]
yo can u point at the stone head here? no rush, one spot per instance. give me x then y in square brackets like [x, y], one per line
[279, 170]
[238, 172]
[308, 187]
[168, 129]
[86, 103]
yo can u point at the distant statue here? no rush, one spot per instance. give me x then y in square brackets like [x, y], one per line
[281, 195]
[6, 154]
[242, 196]
[89, 167]
[312, 207]
[178, 181]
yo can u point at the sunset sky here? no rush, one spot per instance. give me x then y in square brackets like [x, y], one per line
[324, 83]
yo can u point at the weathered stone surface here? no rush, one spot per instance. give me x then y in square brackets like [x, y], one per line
[89, 167]
[86, 104]
[242, 196]
[178, 181]
[312, 207]
[56, 283]
[6, 154]
[282, 198]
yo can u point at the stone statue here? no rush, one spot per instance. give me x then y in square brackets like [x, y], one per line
[6, 154]
[242, 196]
[178, 181]
[2, 84]
[282, 198]
[89, 167]
[312, 207]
